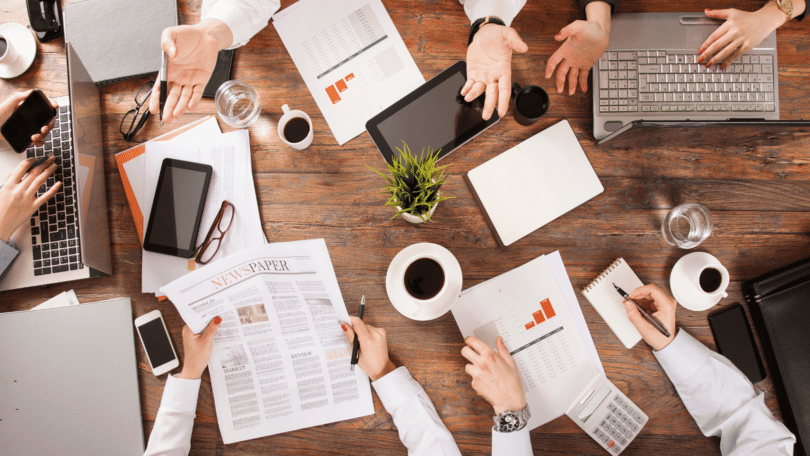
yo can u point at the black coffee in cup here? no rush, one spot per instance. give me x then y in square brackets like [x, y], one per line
[424, 278]
[296, 130]
[531, 102]
[3, 46]
[710, 280]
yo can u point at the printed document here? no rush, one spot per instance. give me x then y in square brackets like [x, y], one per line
[534, 309]
[280, 361]
[351, 57]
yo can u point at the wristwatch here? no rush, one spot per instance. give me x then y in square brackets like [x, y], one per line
[511, 421]
[485, 20]
[785, 6]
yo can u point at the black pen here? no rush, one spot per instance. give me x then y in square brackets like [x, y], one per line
[164, 65]
[653, 321]
[356, 346]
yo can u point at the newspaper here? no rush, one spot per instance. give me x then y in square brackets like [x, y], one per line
[280, 361]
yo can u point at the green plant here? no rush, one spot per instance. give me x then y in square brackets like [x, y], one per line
[414, 183]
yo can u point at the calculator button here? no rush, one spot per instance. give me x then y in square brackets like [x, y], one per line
[596, 431]
[616, 398]
[624, 441]
[617, 449]
[606, 439]
[634, 427]
[603, 423]
[612, 408]
[625, 406]
[620, 401]
[631, 412]
[638, 417]
[619, 415]
[624, 419]
[613, 420]
[629, 434]
[601, 435]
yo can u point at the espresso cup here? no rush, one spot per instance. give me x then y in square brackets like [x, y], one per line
[424, 280]
[8, 55]
[295, 128]
[531, 102]
[698, 281]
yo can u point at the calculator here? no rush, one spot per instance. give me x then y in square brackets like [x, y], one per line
[607, 415]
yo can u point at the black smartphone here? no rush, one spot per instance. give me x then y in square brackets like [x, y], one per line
[734, 339]
[177, 208]
[27, 120]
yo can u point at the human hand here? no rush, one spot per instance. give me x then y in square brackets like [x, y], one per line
[373, 357]
[489, 67]
[652, 298]
[18, 197]
[740, 33]
[11, 103]
[494, 375]
[197, 349]
[584, 42]
[192, 52]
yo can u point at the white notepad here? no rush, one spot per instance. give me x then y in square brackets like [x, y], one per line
[604, 298]
[533, 183]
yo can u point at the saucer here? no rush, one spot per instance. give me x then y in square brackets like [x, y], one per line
[24, 44]
[676, 285]
[432, 308]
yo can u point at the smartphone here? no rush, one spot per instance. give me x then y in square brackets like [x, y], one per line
[27, 120]
[156, 342]
[734, 339]
[177, 208]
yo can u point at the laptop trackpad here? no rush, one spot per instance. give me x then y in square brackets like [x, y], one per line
[613, 125]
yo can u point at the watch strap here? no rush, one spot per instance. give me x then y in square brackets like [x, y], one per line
[785, 6]
[511, 420]
[480, 23]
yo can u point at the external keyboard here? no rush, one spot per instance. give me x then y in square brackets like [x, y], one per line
[669, 82]
[54, 226]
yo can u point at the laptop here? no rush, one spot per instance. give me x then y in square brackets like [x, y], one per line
[650, 72]
[68, 238]
[70, 382]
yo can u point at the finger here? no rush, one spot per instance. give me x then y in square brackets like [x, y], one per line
[348, 331]
[573, 75]
[553, 61]
[361, 330]
[17, 98]
[196, 96]
[562, 72]
[182, 103]
[211, 329]
[567, 31]
[467, 86]
[21, 169]
[39, 175]
[733, 57]
[503, 352]
[643, 292]
[472, 371]
[47, 195]
[719, 32]
[718, 14]
[504, 94]
[168, 41]
[652, 336]
[154, 98]
[721, 56]
[477, 89]
[470, 355]
[171, 102]
[514, 40]
[716, 47]
[583, 80]
[477, 345]
[490, 100]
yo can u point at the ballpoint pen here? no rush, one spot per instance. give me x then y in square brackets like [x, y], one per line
[356, 346]
[653, 321]
[164, 64]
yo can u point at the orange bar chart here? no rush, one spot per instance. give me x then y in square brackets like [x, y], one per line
[546, 305]
[341, 85]
[333, 94]
[538, 317]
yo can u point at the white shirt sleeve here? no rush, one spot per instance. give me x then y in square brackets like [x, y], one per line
[171, 435]
[420, 428]
[504, 9]
[722, 400]
[516, 443]
[245, 18]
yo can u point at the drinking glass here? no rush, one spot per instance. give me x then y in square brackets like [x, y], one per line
[237, 104]
[687, 225]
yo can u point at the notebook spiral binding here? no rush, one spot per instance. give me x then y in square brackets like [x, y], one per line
[604, 273]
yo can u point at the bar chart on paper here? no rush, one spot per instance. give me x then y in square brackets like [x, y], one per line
[353, 60]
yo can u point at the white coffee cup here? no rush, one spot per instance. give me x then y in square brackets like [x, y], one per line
[286, 118]
[10, 56]
[698, 281]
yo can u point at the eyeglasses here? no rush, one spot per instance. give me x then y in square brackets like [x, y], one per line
[134, 119]
[210, 246]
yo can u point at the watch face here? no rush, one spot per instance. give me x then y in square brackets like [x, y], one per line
[509, 422]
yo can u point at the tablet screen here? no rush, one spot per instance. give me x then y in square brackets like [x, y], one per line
[177, 203]
[434, 115]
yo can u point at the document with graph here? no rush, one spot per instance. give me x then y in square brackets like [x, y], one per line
[351, 57]
[531, 308]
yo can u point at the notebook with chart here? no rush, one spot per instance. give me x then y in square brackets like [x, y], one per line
[604, 298]
[533, 183]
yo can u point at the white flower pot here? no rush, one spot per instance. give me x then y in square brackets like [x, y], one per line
[416, 218]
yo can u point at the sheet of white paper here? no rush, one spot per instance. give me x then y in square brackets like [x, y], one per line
[351, 57]
[279, 361]
[526, 307]
[63, 299]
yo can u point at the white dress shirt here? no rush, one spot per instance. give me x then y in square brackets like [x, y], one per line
[504, 9]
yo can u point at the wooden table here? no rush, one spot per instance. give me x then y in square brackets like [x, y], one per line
[758, 193]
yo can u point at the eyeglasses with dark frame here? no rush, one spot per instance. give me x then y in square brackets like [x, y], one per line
[134, 119]
[210, 246]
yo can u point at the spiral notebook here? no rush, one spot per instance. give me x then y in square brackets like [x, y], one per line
[604, 298]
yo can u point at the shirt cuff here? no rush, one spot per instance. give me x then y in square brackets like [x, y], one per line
[233, 18]
[684, 356]
[8, 253]
[501, 9]
[613, 4]
[180, 395]
[516, 443]
[396, 387]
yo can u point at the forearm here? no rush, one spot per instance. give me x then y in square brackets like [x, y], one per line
[504, 9]
[612, 4]
[171, 435]
[599, 12]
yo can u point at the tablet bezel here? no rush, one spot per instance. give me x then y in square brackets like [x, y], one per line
[372, 126]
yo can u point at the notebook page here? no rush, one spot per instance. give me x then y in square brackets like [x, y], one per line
[607, 301]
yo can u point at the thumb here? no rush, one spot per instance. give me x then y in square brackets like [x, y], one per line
[717, 14]
[514, 40]
[568, 30]
[360, 329]
[634, 315]
[211, 329]
[168, 41]
[348, 331]
[503, 351]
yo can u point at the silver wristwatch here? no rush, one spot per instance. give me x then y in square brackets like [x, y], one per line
[511, 421]
[786, 6]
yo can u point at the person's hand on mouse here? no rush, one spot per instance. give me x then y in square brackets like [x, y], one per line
[192, 52]
[11, 103]
[197, 349]
[658, 304]
[494, 375]
[373, 357]
[18, 196]
[489, 67]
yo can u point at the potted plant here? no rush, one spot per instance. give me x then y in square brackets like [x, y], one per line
[413, 187]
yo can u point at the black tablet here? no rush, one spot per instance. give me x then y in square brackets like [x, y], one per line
[177, 208]
[434, 115]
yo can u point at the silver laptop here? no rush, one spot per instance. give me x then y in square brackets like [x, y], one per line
[69, 385]
[650, 72]
[68, 238]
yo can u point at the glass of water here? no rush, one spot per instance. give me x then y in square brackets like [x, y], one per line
[687, 225]
[237, 104]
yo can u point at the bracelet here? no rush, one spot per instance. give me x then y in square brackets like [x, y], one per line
[480, 23]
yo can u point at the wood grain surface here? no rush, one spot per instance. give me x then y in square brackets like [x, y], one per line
[757, 189]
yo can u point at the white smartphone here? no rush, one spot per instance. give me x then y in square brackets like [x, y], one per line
[156, 342]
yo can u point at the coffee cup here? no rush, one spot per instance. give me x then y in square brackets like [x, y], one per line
[17, 50]
[8, 55]
[698, 281]
[531, 102]
[424, 281]
[295, 128]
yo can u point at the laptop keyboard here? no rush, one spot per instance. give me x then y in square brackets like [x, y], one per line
[54, 226]
[664, 81]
